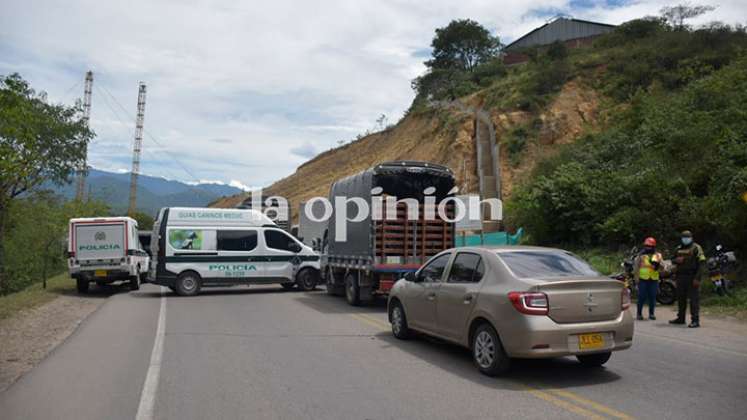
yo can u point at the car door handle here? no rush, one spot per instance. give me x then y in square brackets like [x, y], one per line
[431, 296]
[468, 298]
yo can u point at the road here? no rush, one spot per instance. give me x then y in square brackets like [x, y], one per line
[258, 353]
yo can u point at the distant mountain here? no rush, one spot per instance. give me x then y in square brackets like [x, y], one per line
[153, 192]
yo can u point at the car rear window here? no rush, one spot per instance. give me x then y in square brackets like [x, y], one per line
[543, 264]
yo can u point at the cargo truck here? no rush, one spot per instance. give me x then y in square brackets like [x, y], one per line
[106, 250]
[376, 253]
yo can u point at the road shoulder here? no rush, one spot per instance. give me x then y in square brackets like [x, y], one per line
[31, 334]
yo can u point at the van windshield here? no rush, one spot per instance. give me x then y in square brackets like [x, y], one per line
[546, 264]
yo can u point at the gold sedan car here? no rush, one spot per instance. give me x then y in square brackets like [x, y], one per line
[514, 302]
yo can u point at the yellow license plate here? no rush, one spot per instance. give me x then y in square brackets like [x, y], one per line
[590, 341]
[100, 273]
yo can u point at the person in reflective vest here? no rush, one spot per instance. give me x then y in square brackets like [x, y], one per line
[647, 276]
[688, 263]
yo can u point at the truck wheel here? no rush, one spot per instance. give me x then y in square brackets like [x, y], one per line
[188, 284]
[82, 285]
[332, 288]
[352, 291]
[399, 321]
[135, 282]
[307, 279]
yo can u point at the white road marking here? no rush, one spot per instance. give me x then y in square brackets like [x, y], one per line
[145, 410]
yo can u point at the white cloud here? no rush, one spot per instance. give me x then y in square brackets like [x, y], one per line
[240, 185]
[234, 88]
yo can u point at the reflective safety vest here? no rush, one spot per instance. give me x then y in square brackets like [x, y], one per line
[647, 271]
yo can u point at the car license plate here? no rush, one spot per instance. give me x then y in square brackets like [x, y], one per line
[100, 273]
[590, 341]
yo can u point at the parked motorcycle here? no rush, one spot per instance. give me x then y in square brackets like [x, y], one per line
[720, 264]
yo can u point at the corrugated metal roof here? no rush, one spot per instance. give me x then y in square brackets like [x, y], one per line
[561, 29]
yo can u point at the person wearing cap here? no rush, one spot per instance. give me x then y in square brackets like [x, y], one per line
[688, 260]
[647, 265]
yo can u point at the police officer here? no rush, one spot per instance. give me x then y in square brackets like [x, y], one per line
[647, 277]
[688, 260]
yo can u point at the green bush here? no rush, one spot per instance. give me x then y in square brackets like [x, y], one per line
[669, 161]
[35, 242]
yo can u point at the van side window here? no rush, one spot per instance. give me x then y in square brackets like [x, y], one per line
[237, 240]
[279, 240]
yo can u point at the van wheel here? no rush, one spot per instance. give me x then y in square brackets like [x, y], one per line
[135, 282]
[594, 360]
[188, 284]
[352, 290]
[488, 353]
[307, 279]
[288, 286]
[82, 285]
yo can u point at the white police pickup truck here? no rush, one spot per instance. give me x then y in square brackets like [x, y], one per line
[202, 247]
[106, 250]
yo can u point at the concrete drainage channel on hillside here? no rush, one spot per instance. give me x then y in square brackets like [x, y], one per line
[488, 156]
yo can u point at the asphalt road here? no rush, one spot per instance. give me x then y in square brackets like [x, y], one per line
[264, 353]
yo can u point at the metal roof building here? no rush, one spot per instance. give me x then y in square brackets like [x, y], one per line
[561, 29]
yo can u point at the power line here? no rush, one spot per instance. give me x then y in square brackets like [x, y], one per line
[152, 137]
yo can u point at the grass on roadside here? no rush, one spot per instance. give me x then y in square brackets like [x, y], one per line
[733, 305]
[34, 295]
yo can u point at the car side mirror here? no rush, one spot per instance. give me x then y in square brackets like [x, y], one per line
[412, 276]
[295, 247]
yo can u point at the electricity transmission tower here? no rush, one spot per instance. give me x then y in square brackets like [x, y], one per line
[81, 184]
[137, 148]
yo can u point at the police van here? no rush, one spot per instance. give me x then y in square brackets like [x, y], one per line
[194, 248]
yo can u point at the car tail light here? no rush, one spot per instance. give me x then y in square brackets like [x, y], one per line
[625, 299]
[530, 303]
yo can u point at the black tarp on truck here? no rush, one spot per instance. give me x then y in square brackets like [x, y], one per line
[375, 253]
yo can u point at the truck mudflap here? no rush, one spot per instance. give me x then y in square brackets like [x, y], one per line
[388, 274]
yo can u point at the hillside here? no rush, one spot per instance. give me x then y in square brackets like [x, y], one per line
[445, 136]
[640, 133]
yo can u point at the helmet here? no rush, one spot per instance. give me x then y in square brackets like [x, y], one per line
[649, 241]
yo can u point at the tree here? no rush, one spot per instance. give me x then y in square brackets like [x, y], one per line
[462, 44]
[676, 15]
[144, 220]
[39, 142]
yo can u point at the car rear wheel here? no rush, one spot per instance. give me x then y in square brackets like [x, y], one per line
[399, 322]
[188, 284]
[82, 285]
[488, 353]
[352, 291]
[594, 360]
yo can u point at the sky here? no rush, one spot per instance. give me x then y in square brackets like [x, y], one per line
[243, 92]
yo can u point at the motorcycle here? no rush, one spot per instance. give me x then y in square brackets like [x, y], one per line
[720, 264]
[667, 293]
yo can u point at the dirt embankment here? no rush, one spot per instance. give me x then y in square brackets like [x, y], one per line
[28, 336]
[444, 136]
